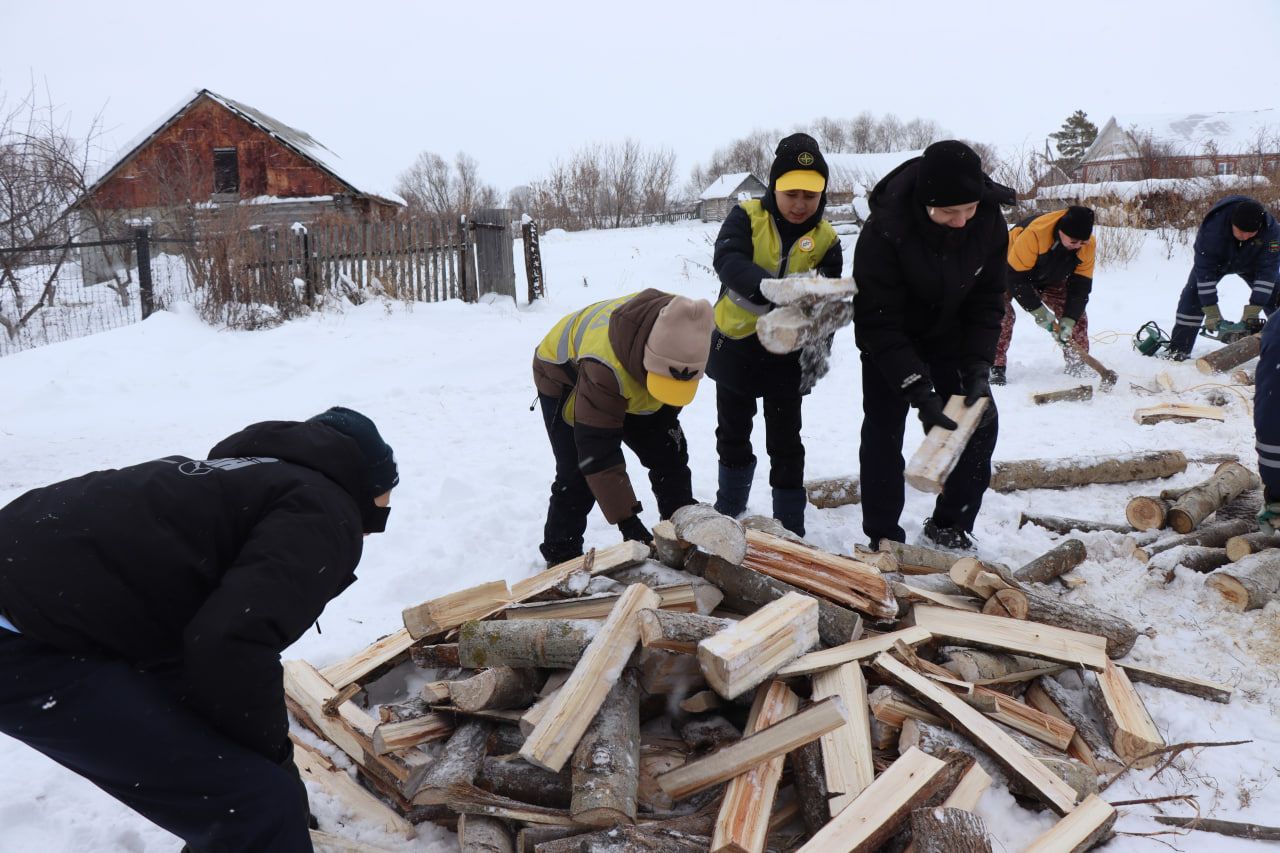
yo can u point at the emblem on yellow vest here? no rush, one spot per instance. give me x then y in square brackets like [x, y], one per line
[806, 244]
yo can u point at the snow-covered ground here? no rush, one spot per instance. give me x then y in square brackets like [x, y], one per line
[450, 387]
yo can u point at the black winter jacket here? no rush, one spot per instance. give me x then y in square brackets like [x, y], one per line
[213, 566]
[926, 292]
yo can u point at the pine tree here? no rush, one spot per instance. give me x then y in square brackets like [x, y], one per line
[1075, 137]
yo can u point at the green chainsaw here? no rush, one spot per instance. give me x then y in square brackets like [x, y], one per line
[1228, 332]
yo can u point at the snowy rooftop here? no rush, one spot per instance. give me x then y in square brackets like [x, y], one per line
[298, 140]
[1204, 185]
[723, 186]
[1230, 132]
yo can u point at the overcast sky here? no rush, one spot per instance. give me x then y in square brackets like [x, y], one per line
[517, 84]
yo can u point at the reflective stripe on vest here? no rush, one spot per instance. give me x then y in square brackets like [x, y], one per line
[585, 335]
[736, 315]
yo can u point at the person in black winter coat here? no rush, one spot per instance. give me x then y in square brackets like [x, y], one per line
[931, 271]
[143, 611]
[782, 233]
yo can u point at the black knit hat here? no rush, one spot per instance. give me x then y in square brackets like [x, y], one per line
[950, 173]
[798, 152]
[381, 474]
[1248, 216]
[1077, 222]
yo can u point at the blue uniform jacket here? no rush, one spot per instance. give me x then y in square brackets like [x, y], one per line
[1218, 253]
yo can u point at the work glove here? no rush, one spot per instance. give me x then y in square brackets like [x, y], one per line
[928, 405]
[1044, 318]
[1212, 317]
[1251, 320]
[976, 379]
[633, 530]
[1063, 334]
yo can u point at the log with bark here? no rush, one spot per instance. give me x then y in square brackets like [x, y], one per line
[948, 830]
[1048, 694]
[1239, 547]
[1244, 375]
[1250, 583]
[810, 781]
[668, 548]
[993, 669]
[1181, 413]
[1120, 634]
[1151, 512]
[459, 763]
[678, 632]
[1199, 502]
[517, 779]
[1205, 689]
[483, 834]
[1213, 535]
[606, 761]
[658, 577]
[1066, 395]
[919, 560]
[832, 492]
[1197, 558]
[1230, 356]
[1055, 562]
[498, 687]
[1065, 473]
[525, 643]
[702, 527]
[1255, 831]
[633, 839]
[1058, 524]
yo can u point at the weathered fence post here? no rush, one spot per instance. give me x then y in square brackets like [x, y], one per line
[308, 265]
[466, 276]
[532, 260]
[142, 252]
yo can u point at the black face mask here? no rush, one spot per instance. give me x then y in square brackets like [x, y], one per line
[375, 518]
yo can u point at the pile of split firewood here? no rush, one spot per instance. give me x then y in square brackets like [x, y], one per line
[746, 691]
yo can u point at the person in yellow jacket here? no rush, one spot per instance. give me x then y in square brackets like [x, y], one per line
[616, 372]
[781, 234]
[1050, 275]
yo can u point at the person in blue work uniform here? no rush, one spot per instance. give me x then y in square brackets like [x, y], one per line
[1238, 236]
[781, 234]
[1266, 424]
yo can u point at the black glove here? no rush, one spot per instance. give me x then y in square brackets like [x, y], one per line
[928, 405]
[633, 529]
[976, 379]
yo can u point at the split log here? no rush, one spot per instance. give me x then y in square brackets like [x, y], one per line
[1210, 536]
[841, 579]
[354, 801]
[792, 327]
[1089, 745]
[1239, 547]
[1230, 356]
[891, 706]
[517, 779]
[743, 822]
[1255, 831]
[1049, 788]
[1089, 825]
[855, 651]
[736, 758]
[1010, 603]
[552, 740]
[667, 546]
[528, 838]
[525, 643]
[908, 595]
[1066, 395]
[701, 702]
[746, 591]
[482, 834]
[1248, 584]
[495, 688]
[917, 559]
[948, 830]
[702, 527]
[810, 780]
[832, 492]
[940, 584]
[1211, 690]
[1125, 717]
[1182, 413]
[884, 738]
[1230, 480]
[1197, 558]
[1065, 473]
[606, 762]
[745, 654]
[846, 752]
[678, 632]
[975, 576]
[696, 596]
[1119, 633]
[1059, 560]
[595, 562]
[883, 807]
[992, 668]
[393, 737]
[1011, 635]
[659, 577]
[938, 454]
[398, 712]
[1057, 524]
[1020, 717]
[449, 611]
[458, 764]
[383, 654]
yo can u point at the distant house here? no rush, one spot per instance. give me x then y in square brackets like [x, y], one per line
[724, 192]
[853, 176]
[213, 153]
[1187, 145]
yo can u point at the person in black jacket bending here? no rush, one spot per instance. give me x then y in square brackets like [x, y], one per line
[930, 266]
[143, 611]
[771, 237]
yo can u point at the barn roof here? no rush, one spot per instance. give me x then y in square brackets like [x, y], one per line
[864, 169]
[299, 141]
[725, 185]
[1186, 133]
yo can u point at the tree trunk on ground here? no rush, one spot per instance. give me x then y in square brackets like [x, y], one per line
[943, 830]
[1065, 473]
[1058, 561]
[1056, 524]
[1230, 356]
[1250, 583]
[1229, 481]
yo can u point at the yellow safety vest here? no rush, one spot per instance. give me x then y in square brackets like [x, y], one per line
[736, 315]
[585, 335]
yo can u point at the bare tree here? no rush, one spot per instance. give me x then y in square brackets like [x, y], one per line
[434, 187]
[603, 186]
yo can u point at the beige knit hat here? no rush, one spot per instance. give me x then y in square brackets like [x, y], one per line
[675, 355]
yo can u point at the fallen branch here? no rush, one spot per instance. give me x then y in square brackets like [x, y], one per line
[1174, 750]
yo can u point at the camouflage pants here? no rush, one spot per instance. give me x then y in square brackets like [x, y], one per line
[1055, 296]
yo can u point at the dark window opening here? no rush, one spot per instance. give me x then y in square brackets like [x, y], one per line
[226, 171]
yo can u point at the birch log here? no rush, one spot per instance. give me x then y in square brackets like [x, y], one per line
[523, 643]
[1250, 583]
[1065, 473]
[1058, 524]
[1057, 561]
[1230, 356]
[606, 762]
[1120, 634]
[1239, 547]
[1213, 535]
[1230, 480]
[945, 830]
[937, 455]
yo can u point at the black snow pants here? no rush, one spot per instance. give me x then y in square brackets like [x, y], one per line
[735, 413]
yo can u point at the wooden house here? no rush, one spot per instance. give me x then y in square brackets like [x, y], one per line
[724, 192]
[1179, 146]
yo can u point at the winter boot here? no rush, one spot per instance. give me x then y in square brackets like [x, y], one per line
[788, 508]
[998, 375]
[947, 538]
[558, 552]
[734, 489]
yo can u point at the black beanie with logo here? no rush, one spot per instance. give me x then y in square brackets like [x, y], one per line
[950, 173]
[798, 152]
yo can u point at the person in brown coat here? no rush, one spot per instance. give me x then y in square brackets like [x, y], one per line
[617, 372]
